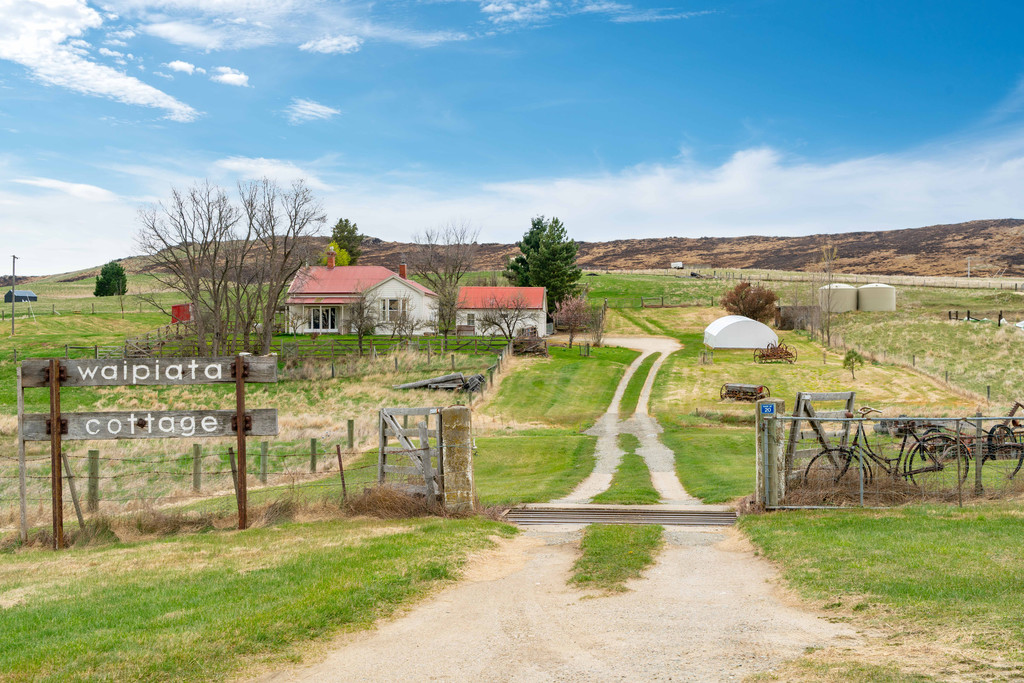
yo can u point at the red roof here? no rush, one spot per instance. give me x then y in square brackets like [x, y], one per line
[318, 281]
[501, 297]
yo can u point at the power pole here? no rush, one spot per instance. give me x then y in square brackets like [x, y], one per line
[13, 297]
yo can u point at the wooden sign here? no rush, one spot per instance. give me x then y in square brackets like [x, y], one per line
[149, 424]
[148, 371]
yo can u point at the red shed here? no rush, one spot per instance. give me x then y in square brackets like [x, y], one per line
[181, 313]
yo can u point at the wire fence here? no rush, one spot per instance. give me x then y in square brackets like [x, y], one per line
[196, 480]
[838, 462]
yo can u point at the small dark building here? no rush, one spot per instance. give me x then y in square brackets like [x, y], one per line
[20, 295]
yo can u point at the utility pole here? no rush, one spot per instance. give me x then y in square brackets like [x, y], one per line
[13, 297]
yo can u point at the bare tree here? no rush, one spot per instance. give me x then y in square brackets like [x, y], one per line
[364, 316]
[401, 323]
[231, 262]
[505, 315]
[573, 315]
[829, 254]
[442, 256]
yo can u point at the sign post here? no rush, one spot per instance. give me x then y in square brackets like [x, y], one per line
[142, 424]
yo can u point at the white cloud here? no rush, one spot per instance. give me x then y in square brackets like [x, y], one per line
[249, 168]
[517, 11]
[189, 34]
[653, 15]
[229, 76]
[301, 110]
[43, 36]
[78, 190]
[333, 45]
[183, 67]
[110, 53]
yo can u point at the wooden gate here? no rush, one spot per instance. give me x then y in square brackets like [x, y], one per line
[420, 444]
[804, 412]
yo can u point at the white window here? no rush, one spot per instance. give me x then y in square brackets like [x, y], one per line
[392, 309]
[471, 319]
[323, 319]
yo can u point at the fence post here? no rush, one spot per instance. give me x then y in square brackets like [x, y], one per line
[351, 434]
[312, 455]
[453, 362]
[979, 454]
[92, 496]
[264, 448]
[770, 477]
[197, 467]
[341, 473]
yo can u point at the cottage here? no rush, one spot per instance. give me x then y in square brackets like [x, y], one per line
[503, 311]
[320, 297]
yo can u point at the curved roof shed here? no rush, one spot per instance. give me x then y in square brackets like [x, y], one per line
[738, 332]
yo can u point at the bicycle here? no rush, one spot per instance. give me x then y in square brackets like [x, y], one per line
[925, 460]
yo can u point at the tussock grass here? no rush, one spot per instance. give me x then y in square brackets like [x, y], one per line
[612, 554]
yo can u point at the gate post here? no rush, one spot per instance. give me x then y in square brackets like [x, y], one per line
[770, 480]
[459, 487]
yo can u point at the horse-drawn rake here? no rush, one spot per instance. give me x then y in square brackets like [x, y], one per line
[744, 392]
[775, 353]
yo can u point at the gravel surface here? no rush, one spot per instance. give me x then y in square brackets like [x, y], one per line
[708, 610]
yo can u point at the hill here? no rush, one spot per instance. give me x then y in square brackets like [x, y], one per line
[994, 246]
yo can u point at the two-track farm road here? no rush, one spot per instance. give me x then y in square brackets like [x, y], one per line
[708, 610]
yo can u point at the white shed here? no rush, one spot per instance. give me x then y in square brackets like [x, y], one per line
[738, 332]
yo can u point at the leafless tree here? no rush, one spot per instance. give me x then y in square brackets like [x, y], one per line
[505, 316]
[573, 315]
[231, 261]
[442, 256]
[364, 316]
[829, 254]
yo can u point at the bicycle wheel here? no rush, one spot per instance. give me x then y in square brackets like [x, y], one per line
[933, 464]
[829, 465]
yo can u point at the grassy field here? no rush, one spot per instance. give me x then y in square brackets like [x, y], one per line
[202, 607]
[631, 484]
[531, 467]
[565, 390]
[944, 583]
[615, 553]
[631, 395]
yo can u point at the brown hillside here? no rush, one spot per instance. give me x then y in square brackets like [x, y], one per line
[994, 246]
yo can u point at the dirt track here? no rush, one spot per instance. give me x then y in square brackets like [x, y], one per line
[708, 610]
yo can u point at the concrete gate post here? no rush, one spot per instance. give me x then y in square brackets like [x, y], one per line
[459, 487]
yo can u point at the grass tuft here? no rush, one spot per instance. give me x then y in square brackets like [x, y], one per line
[615, 553]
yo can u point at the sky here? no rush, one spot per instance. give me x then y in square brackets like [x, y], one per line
[692, 118]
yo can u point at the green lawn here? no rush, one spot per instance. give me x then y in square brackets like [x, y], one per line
[206, 606]
[531, 467]
[631, 484]
[935, 574]
[614, 553]
[565, 390]
[635, 385]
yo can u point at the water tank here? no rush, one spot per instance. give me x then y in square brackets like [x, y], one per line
[838, 298]
[876, 297]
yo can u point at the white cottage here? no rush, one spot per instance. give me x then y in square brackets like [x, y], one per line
[320, 296]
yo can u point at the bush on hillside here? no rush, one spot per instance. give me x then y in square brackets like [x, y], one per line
[752, 301]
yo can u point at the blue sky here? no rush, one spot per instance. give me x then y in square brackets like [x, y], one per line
[706, 117]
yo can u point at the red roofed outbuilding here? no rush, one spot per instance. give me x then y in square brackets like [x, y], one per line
[503, 310]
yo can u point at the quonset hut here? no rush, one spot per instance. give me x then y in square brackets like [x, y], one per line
[738, 332]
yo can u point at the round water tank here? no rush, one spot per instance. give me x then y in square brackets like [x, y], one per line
[838, 298]
[876, 297]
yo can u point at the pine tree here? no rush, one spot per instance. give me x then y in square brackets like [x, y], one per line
[112, 280]
[346, 235]
[553, 264]
[517, 272]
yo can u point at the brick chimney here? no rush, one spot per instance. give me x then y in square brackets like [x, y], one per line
[402, 272]
[330, 259]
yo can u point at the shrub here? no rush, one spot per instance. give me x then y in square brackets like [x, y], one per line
[752, 301]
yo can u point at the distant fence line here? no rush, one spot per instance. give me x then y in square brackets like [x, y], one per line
[761, 275]
[323, 349]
